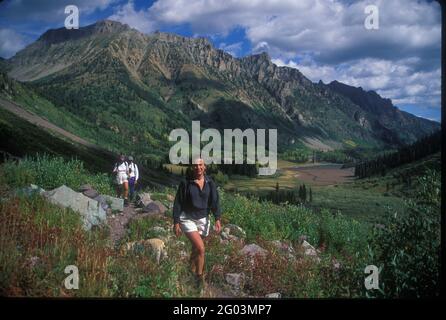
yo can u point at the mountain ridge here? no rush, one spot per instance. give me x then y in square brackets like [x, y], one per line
[188, 76]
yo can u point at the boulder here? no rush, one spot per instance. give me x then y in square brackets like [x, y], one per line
[91, 193]
[155, 207]
[116, 204]
[143, 199]
[90, 210]
[236, 280]
[85, 187]
[310, 251]
[103, 203]
[253, 250]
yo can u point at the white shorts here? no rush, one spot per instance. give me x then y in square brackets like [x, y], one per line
[121, 178]
[190, 225]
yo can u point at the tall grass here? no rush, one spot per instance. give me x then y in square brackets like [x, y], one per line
[38, 240]
[51, 172]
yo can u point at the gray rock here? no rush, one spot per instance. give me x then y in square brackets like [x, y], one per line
[143, 199]
[30, 190]
[284, 248]
[275, 295]
[155, 207]
[336, 264]
[236, 280]
[90, 210]
[236, 230]
[112, 202]
[91, 193]
[310, 251]
[33, 261]
[224, 235]
[85, 187]
[253, 250]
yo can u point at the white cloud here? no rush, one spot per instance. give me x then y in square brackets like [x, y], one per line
[139, 20]
[11, 42]
[331, 31]
[233, 49]
[397, 80]
[325, 39]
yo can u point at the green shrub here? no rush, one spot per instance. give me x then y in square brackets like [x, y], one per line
[409, 247]
[51, 172]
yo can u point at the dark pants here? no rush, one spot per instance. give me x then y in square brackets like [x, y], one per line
[132, 187]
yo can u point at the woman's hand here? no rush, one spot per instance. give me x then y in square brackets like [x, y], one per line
[217, 226]
[177, 229]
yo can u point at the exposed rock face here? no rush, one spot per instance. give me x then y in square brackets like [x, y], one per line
[155, 207]
[390, 123]
[253, 249]
[143, 199]
[310, 251]
[253, 85]
[113, 203]
[90, 210]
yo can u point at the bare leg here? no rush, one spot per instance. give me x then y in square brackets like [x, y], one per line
[193, 260]
[126, 189]
[198, 246]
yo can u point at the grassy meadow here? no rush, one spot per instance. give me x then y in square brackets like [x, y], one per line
[39, 239]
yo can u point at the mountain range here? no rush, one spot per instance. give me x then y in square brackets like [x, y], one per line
[133, 88]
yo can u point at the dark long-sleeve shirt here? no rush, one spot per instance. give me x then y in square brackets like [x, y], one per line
[196, 203]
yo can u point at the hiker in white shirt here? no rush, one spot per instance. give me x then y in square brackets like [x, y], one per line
[134, 176]
[122, 171]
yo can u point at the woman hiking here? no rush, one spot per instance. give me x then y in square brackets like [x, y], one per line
[196, 197]
[122, 172]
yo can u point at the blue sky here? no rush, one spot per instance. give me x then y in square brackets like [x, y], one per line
[325, 39]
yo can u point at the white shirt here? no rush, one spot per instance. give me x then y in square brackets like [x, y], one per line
[121, 168]
[134, 171]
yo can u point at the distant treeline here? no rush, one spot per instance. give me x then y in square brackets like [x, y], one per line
[249, 170]
[299, 195]
[419, 149]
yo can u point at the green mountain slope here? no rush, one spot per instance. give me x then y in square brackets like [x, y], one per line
[137, 87]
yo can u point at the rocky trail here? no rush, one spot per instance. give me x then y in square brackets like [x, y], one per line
[97, 210]
[118, 222]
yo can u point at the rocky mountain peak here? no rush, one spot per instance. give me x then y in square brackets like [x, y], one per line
[109, 26]
[101, 27]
